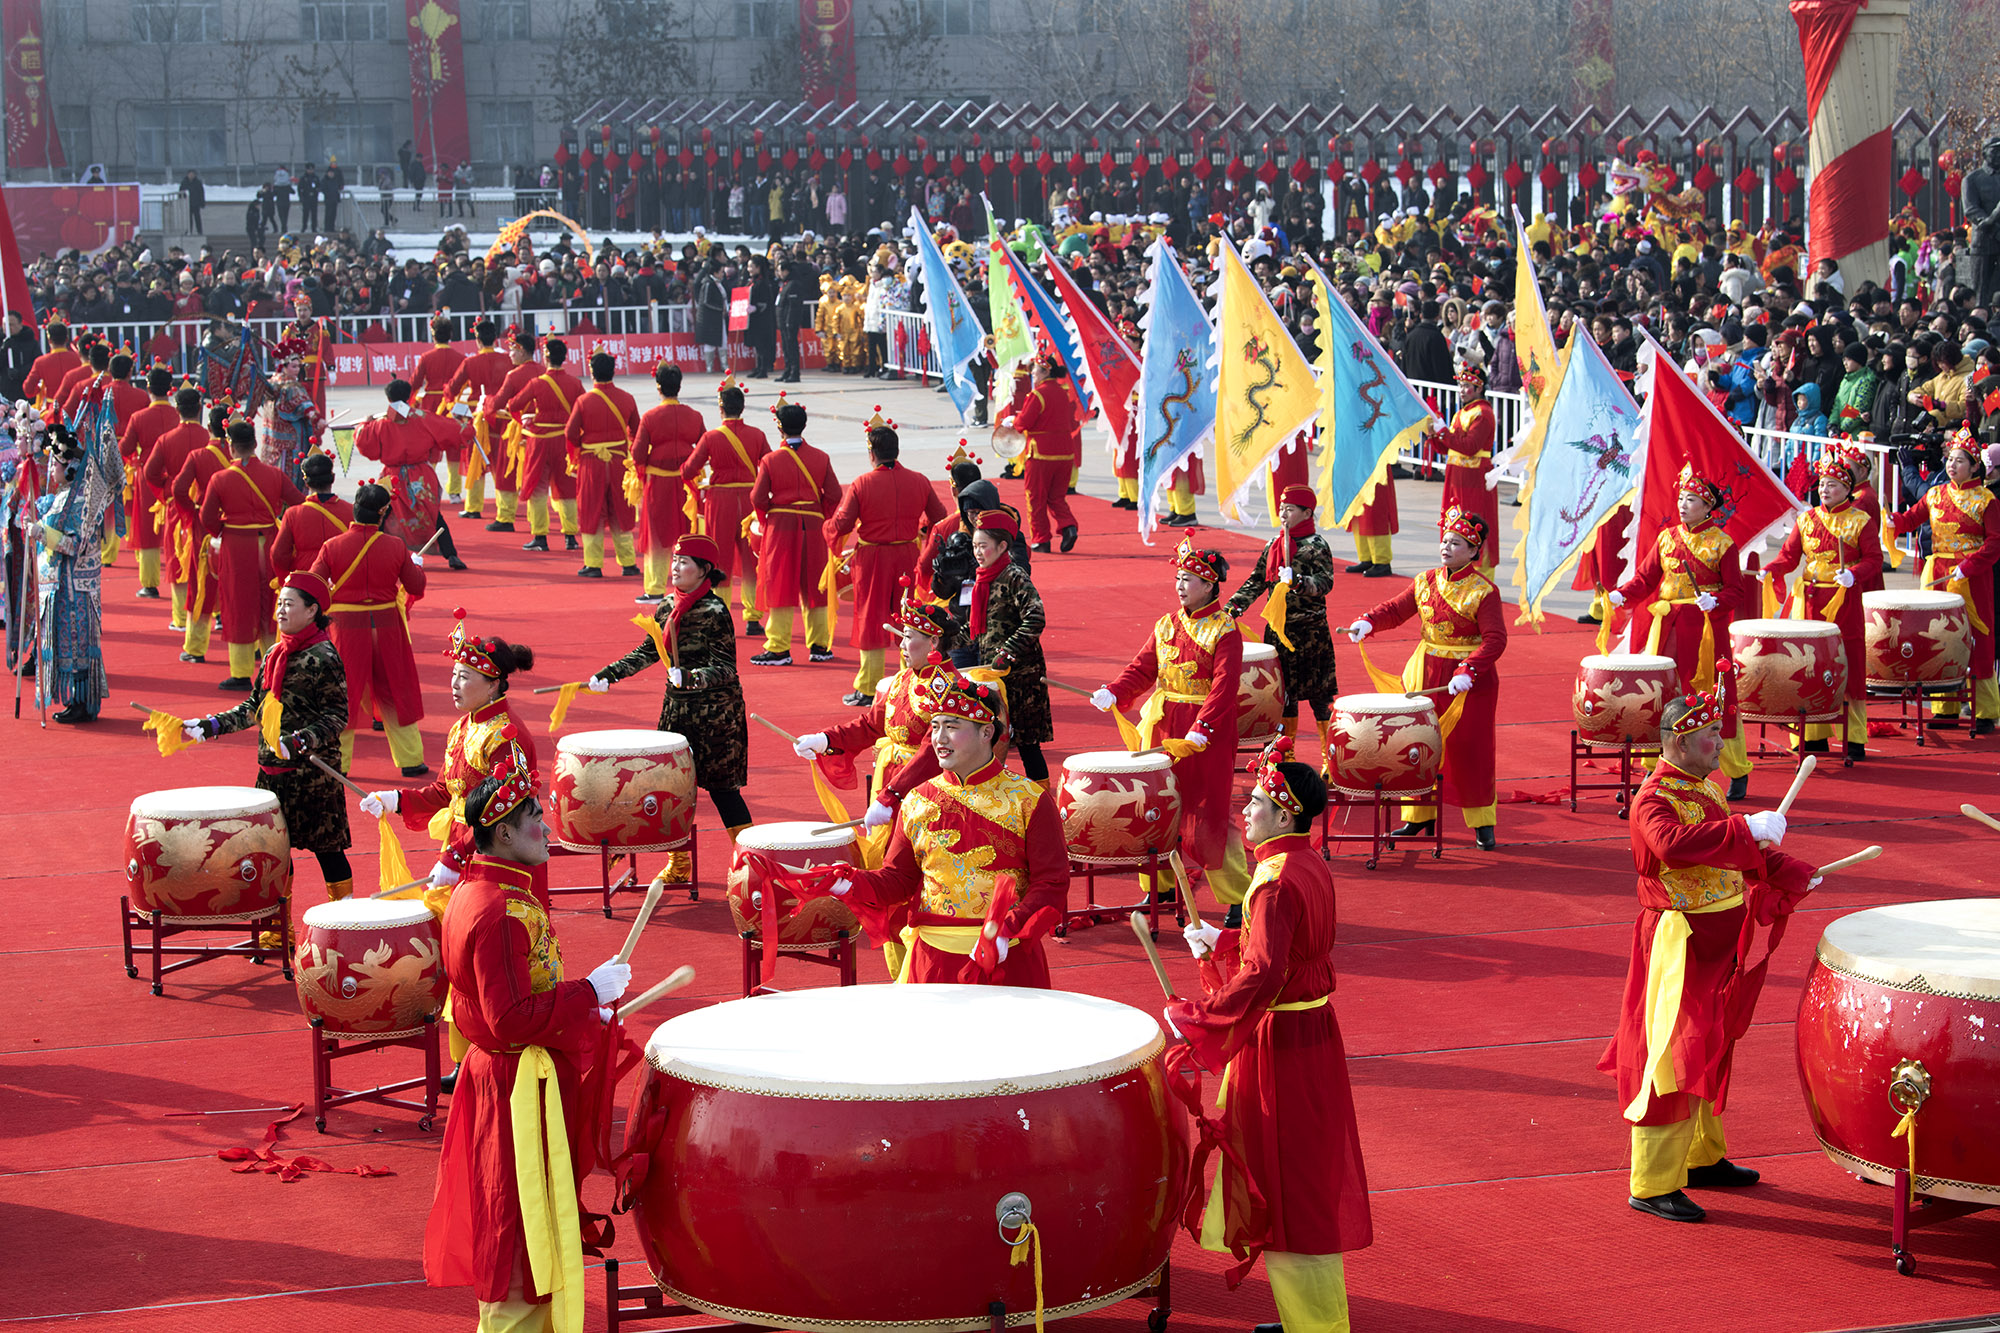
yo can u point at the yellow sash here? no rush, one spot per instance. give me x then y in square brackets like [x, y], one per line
[1704, 671]
[961, 940]
[742, 453]
[1666, 976]
[1959, 584]
[546, 1183]
[1412, 679]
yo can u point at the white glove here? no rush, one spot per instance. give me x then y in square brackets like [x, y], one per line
[443, 876]
[597, 685]
[756, 528]
[1000, 947]
[380, 803]
[284, 752]
[1200, 937]
[1706, 602]
[1284, 573]
[1197, 738]
[1814, 882]
[674, 677]
[610, 979]
[194, 732]
[1766, 826]
[1103, 700]
[417, 559]
[1460, 683]
[1359, 630]
[606, 1013]
[878, 815]
[1168, 1018]
[841, 886]
[1615, 597]
[810, 744]
[1845, 578]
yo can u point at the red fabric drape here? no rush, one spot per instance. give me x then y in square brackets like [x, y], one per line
[1849, 204]
[1823, 29]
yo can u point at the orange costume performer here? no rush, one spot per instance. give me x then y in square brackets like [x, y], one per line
[731, 454]
[542, 406]
[1840, 547]
[1191, 672]
[795, 493]
[1467, 445]
[891, 507]
[1464, 633]
[241, 506]
[502, 428]
[665, 442]
[1048, 417]
[598, 434]
[374, 579]
[1965, 543]
[1285, 1121]
[476, 381]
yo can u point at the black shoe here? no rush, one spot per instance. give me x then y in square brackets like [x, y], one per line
[448, 1082]
[1675, 1207]
[236, 684]
[1124, 504]
[1485, 839]
[74, 714]
[1233, 919]
[147, 592]
[535, 544]
[1856, 750]
[753, 627]
[771, 659]
[1981, 726]
[629, 571]
[1040, 548]
[456, 563]
[1268, 1328]
[590, 572]
[1069, 539]
[1413, 829]
[376, 725]
[1361, 568]
[416, 770]
[1943, 724]
[1722, 1175]
[497, 526]
[650, 598]
[192, 657]
[856, 699]
[1380, 572]
[1814, 747]
[1070, 491]
[571, 543]
[1588, 619]
[821, 655]
[1739, 788]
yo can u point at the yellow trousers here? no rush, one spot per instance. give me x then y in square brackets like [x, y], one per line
[1229, 882]
[1853, 728]
[516, 1314]
[869, 674]
[1372, 550]
[659, 566]
[194, 642]
[1128, 488]
[453, 478]
[1481, 816]
[1181, 497]
[1985, 696]
[149, 568]
[506, 504]
[243, 657]
[1310, 1289]
[406, 743]
[778, 628]
[177, 595]
[1662, 1154]
[621, 546]
[475, 497]
[746, 597]
[107, 547]
[538, 515]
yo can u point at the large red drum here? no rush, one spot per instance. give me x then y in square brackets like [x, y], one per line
[870, 1135]
[1116, 807]
[1386, 742]
[369, 968]
[1622, 697]
[629, 790]
[207, 854]
[1916, 638]
[1902, 1009]
[1792, 671]
[1261, 697]
[792, 844]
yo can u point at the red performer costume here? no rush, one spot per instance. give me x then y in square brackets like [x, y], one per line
[795, 493]
[408, 446]
[898, 722]
[306, 527]
[477, 381]
[1048, 417]
[1467, 444]
[542, 406]
[891, 506]
[506, 447]
[164, 461]
[430, 380]
[665, 442]
[732, 454]
[374, 578]
[146, 428]
[1965, 543]
[46, 375]
[241, 506]
[598, 440]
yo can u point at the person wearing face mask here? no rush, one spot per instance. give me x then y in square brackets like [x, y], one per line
[1464, 634]
[1965, 545]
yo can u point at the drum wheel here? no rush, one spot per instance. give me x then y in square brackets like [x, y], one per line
[132, 972]
[320, 1124]
[1906, 1263]
[425, 1124]
[1156, 1320]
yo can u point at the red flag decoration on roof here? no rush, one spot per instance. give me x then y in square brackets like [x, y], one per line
[1108, 360]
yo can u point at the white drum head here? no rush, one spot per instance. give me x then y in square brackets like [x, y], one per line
[1116, 761]
[1626, 662]
[905, 1043]
[204, 803]
[1899, 600]
[621, 744]
[793, 835]
[1948, 946]
[1784, 629]
[1259, 652]
[367, 914]
[1375, 705]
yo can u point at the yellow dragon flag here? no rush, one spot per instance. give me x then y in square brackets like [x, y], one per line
[1534, 346]
[1265, 392]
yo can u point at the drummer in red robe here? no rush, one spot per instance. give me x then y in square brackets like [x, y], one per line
[1707, 879]
[974, 844]
[408, 444]
[501, 426]
[795, 493]
[1048, 417]
[374, 579]
[189, 484]
[1266, 1021]
[1467, 445]
[169, 453]
[891, 506]
[136, 439]
[1464, 633]
[1840, 547]
[666, 440]
[466, 394]
[1965, 544]
[240, 509]
[1191, 672]
[598, 436]
[506, 1219]
[731, 455]
[313, 522]
[429, 380]
[1688, 588]
[542, 407]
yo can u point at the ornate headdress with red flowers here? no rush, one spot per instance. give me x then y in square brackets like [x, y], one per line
[919, 613]
[962, 454]
[1464, 523]
[1471, 376]
[1843, 462]
[290, 353]
[516, 778]
[1204, 565]
[1268, 778]
[1966, 443]
[1693, 483]
[472, 652]
[1705, 708]
[952, 695]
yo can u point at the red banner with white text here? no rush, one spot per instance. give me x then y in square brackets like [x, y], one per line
[31, 125]
[826, 51]
[437, 84]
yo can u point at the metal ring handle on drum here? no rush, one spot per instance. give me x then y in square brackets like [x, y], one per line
[1013, 1213]
[1909, 1086]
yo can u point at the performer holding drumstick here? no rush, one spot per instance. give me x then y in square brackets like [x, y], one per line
[1707, 879]
[1965, 547]
[1267, 1017]
[1296, 569]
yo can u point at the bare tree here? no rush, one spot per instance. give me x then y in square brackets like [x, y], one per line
[615, 48]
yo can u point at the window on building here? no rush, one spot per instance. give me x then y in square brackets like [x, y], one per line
[954, 18]
[354, 132]
[505, 21]
[1098, 16]
[758, 18]
[510, 132]
[163, 21]
[345, 21]
[73, 127]
[179, 135]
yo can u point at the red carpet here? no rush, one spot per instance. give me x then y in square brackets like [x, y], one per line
[1476, 993]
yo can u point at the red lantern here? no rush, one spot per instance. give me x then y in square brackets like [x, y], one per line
[1140, 166]
[1948, 161]
[1779, 152]
[816, 160]
[923, 144]
[654, 132]
[710, 157]
[588, 159]
[901, 166]
[707, 134]
[1587, 176]
[874, 159]
[1268, 172]
[1236, 169]
[986, 162]
[604, 133]
[1747, 180]
[976, 140]
[1169, 166]
[1035, 142]
[929, 163]
[1405, 172]
[1476, 176]
[687, 157]
[1045, 163]
[634, 162]
[1911, 183]
[1202, 169]
[1301, 170]
[1550, 176]
[757, 137]
[736, 158]
[1371, 171]
[562, 154]
[659, 159]
[1076, 165]
[958, 166]
[812, 139]
[845, 159]
[763, 159]
[1513, 174]
[1015, 163]
[1704, 178]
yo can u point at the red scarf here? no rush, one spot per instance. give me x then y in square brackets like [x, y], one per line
[272, 674]
[682, 602]
[982, 586]
[1274, 560]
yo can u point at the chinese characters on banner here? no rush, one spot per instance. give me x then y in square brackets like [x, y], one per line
[31, 125]
[826, 51]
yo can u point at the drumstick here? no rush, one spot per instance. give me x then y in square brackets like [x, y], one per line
[338, 776]
[400, 889]
[1187, 893]
[1974, 812]
[1152, 954]
[653, 892]
[432, 542]
[1865, 854]
[835, 828]
[1073, 689]
[551, 689]
[680, 977]
[789, 738]
[1435, 689]
[1806, 768]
